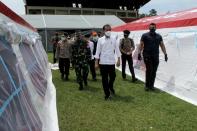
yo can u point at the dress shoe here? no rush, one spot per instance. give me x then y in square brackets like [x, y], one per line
[80, 86]
[66, 78]
[107, 98]
[62, 76]
[134, 80]
[85, 83]
[146, 89]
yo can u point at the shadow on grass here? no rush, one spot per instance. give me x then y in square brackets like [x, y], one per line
[70, 81]
[94, 81]
[130, 81]
[91, 89]
[157, 91]
[127, 99]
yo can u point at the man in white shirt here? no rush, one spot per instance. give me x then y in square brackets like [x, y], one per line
[92, 61]
[107, 47]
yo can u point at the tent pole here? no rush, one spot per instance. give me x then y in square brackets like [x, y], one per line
[46, 39]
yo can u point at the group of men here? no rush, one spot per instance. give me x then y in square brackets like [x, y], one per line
[85, 52]
[79, 52]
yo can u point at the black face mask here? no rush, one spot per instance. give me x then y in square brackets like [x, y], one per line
[125, 36]
[152, 30]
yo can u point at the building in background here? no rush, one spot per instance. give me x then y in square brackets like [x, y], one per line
[127, 10]
[50, 16]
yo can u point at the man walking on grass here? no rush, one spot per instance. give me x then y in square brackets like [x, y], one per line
[127, 47]
[63, 54]
[81, 56]
[150, 43]
[105, 52]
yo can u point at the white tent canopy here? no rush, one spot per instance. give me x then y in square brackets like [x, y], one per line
[71, 21]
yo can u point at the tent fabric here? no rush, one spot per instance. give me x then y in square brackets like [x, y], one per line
[179, 75]
[71, 21]
[35, 21]
[173, 20]
[27, 94]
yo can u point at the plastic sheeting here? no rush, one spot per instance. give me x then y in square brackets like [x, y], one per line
[179, 75]
[27, 94]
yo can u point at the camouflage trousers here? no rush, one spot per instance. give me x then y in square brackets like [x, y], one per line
[81, 72]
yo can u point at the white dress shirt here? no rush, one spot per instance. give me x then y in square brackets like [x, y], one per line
[91, 45]
[106, 50]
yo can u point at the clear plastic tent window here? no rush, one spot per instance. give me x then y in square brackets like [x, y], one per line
[27, 94]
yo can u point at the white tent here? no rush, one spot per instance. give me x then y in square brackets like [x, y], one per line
[73, 22]
[179, 30]
[47, 25]
[27, 94]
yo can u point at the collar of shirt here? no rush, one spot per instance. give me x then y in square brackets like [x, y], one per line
[107, 37]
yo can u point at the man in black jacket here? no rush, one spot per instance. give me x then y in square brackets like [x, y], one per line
[150, 43]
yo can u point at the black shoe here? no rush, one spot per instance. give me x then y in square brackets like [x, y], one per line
[80, 86]
[112, 92]
[123, 77]
[134, 80]
[94, 79]
[152, 89]
[66, 78]
[146, 89]
[107, 98]
[62, 76]
[85, 83]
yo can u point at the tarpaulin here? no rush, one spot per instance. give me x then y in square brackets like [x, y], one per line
[27, 94]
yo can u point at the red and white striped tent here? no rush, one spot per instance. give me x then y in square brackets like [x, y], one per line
[173, 20]
[179, 31]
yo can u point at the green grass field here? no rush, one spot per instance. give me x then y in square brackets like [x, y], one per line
[132, 109]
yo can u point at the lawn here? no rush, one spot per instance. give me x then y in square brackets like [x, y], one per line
[132, 109]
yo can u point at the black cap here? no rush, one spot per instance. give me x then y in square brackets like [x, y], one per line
[65, 34]
[126, 32]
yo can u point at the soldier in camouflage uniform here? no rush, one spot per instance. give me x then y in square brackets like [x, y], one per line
[81, 56]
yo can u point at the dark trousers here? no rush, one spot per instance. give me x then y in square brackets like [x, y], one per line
[130, 63]
[81, 73]
[54, 51]
[108, 77]
[64, 65]
[151, 63]
[92, 69]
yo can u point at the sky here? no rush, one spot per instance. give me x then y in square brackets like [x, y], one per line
[16, 5]
[163, 6]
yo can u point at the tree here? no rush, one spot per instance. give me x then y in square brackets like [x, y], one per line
[152, 12]
[143, 15]
[168, 12]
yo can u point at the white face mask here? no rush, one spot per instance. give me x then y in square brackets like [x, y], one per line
[95, 38]
[108, 33]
